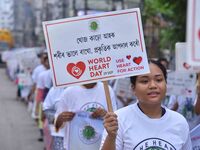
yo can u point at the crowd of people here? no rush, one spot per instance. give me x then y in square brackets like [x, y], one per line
[148, 118]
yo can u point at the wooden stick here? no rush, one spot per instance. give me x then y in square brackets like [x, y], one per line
[198, 84]
[198, 79]
[107, 92]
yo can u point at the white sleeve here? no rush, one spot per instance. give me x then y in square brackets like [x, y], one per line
[34, 76]
[39, 82]
[172, 101]
[61, 105]
[188, 144]
[48, 81]
[57, 101]
[48, 100]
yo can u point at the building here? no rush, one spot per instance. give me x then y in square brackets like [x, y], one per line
[6, 14]
[25, 17]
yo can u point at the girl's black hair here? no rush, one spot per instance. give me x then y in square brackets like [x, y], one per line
[162, 68]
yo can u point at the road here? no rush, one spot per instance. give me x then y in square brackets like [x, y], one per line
[18, 130]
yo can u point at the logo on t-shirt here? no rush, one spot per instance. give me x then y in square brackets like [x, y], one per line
[91, 107]
[154, 144]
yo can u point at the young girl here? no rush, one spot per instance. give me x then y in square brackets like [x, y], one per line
[146, 125]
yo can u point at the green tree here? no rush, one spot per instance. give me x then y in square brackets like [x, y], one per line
[173, 13]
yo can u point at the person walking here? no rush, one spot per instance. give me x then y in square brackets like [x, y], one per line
[146, 124]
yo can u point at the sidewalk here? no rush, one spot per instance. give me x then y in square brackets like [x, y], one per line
[18, 130]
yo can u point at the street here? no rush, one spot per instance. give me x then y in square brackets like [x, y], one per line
[18, 130]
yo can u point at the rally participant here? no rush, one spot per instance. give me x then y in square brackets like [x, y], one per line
[40, 68]
[185, 106]
[49, 108]
[89, 97]
[40, 95]
[146, 124]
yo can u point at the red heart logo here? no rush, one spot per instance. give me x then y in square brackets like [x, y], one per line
[76, 70]
[186, 66]
[137, 60]
[128, 57]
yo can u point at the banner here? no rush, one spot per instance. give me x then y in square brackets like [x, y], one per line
[27, 58]
[181, 59]
[195, 137]
[181, 83]
[96, 47]
[193, 32]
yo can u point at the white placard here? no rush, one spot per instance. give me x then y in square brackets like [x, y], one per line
[27, 58]
[96, 47]
[195, 137]
[122, 88]
[181, 59]
[85, 133]
[193, 32]
[24, 79]
[181, 83]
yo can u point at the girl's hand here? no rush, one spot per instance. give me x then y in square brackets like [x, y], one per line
[63, 117]
[66, 116]
[99, 112]
[111, 124]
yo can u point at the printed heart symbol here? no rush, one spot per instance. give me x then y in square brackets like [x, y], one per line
[128, 57]
[137, 60]
[186, 66]
[76, 70]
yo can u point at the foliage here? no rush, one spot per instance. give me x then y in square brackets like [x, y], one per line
[173, 12]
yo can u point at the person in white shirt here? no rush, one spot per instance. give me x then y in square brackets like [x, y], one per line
[146, 124]
[49, 108]
[40, 95]
[89, 97]
[31, 97]
[185, 106]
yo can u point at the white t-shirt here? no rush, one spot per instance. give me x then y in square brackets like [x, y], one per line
[52, 98]
[40, 83]
[51, 101]
[139, 132]
[78, 98]
[37, 71]
[48, 80]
